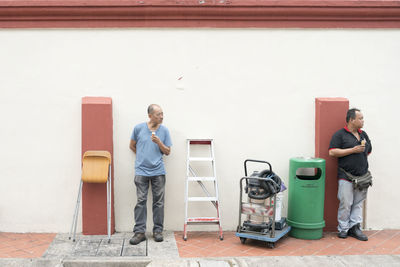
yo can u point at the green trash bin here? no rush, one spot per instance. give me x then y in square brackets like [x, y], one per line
[306, 197]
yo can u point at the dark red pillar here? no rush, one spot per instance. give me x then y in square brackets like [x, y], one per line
[97, 134]
[330, 116]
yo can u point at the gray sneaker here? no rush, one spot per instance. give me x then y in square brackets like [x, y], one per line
[137, 238]
[158, 237]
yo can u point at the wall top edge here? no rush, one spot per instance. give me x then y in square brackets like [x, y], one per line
[200, 3]
[200, 14]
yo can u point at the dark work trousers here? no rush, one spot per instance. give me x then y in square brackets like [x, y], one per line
[158, 191]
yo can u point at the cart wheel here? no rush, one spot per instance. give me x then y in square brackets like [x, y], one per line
[270, 244]
[243, 240]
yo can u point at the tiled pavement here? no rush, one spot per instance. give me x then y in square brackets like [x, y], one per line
[207, 244]
[198, 245]
[27, 245]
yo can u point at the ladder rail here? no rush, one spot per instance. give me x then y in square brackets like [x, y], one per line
[216, 189]
[186, 188]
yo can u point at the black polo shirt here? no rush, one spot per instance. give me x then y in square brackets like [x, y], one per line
[356, 163]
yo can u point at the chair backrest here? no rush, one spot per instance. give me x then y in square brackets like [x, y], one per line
[95, 166]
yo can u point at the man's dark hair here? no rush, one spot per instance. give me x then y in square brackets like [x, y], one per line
[150, 109]
[351, 114]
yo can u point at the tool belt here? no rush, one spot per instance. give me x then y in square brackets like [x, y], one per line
[359, 182]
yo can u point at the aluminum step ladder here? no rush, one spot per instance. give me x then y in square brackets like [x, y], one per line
[191, 176]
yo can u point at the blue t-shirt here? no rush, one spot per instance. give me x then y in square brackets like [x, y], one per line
[149, 161]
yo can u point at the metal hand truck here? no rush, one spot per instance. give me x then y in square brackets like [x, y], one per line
[265, 231]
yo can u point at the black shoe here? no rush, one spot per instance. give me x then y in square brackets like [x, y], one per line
[342, 234]
[356, 232]
[158, 237]
[137, 238]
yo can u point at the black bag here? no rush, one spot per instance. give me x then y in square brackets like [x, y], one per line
[262, 189]
[360, 182]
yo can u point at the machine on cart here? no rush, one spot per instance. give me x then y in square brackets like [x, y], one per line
[261, 207]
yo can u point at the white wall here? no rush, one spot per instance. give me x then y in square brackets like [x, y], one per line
[252, 90]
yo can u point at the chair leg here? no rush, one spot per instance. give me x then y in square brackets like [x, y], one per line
[109, 205]
[75, 219]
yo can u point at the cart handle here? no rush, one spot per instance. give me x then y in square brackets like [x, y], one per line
[255, 160]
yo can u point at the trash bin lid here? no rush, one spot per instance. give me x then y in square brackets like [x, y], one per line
[307, 159]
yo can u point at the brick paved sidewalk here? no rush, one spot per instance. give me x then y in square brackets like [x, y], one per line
[27, 245]
[207, 244]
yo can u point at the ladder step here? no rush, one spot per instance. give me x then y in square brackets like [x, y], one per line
[195, 178]
[202, 199]
[200, 159]
[200, 142]
[203, 220]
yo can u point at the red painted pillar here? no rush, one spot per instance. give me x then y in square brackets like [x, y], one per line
[97, 134]
[330, 116]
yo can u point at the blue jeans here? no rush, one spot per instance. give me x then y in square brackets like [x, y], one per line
[350, 206]
[158, 191]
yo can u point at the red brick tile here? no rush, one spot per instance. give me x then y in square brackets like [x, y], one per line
[311, 248]
[380, 251]
[4, 245]
[234, 250]
[334, 249]
[381, 235]
[256, 252]
[385, 245]
[18, 254]
[38, 250]
[396, 251]
[206, 244]
[6, 250]
[24, 245]
[231, 253]
[276, 252]
[354, 250]
[185, 255]
[10, 235]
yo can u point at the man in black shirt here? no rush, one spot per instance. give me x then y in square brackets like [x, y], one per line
[351, 146]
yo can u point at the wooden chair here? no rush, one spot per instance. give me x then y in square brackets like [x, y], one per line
[96, 168]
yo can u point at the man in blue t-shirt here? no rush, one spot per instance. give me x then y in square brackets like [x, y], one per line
[150, 141]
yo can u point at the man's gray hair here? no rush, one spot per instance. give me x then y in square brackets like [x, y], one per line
[151, 107]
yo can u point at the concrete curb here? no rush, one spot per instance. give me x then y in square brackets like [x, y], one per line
[276, 261]
[30, 262]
